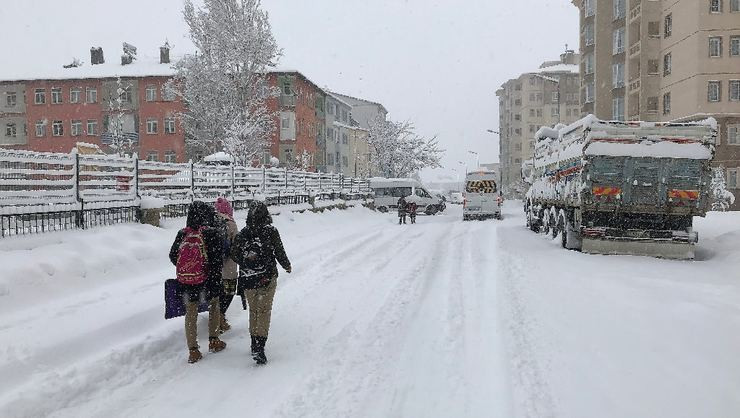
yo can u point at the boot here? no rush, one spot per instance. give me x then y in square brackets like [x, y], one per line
[215, 345]
[195, 355]
[225, 326]
[258, 350]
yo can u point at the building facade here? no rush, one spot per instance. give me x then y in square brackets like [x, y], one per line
[660, 60]
[338, 132]
[363, 112]
[102, 104]
[544, 97]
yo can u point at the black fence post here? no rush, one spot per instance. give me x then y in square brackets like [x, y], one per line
[80, 215]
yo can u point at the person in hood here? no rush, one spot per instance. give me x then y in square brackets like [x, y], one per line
[402, 210]
[201, 218]
[257, 249]
[228, 229]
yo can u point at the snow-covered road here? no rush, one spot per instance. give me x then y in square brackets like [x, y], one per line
[438, 319]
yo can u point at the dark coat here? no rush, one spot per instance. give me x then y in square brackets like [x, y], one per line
[402, 206]
[200, 214]
[259, 226]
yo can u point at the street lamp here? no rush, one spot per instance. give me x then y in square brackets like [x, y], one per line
[477, 160]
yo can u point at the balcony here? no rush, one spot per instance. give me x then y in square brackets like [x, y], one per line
[287, 101]
[635, 85]
[635, 12]
[635, 49]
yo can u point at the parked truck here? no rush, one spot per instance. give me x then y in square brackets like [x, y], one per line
[609, 187]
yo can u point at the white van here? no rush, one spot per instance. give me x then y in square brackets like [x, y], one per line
[388, 191]
[482, 199]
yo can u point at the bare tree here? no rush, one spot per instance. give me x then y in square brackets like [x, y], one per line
[399, 150]
[224, 84]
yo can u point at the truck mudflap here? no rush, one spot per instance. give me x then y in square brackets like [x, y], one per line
[676, 245]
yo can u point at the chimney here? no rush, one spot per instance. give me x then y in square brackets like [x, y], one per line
[96, 56]
[164, 53]
[129, 54]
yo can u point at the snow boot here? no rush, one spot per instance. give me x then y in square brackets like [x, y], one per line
[258, 350]
[215, 345]
[225, 326]
[194, 356]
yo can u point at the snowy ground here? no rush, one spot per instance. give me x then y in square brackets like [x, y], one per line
[438, 319]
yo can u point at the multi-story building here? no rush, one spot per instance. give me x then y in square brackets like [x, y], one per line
[54, 112]
[338, 132]
[665, 60]
[301, 118]
[539, 98]
[363, 112]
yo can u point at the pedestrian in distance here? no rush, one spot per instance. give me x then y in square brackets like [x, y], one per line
[227, 227]
[197, 254]
[402, 210]
[412, 207]
[257, 249]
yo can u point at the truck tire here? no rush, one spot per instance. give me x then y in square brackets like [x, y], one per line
[570, 235]
[554, 223]
[545, 222]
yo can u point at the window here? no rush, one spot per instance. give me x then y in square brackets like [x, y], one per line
[170, 157]
[539, 113]
[285, 124]
[667, 64]
[152, 156]
[589, 63]
[151, 126]
[518, 131]
[92, 127]
[735, 46]
[11, 130]
[169, 125]
[735, 90]
[715, 46]
[518, 102]
[654, 29]
[517, 117]
[40, 128]
[518, 147]
[652, 104]
[555, 97]
[733, 134]
[735, 5]
[345, 162]
[531, 113]
[618, 75]
[668, 25]
[732, 178]
[287, 91]
[11, 99]
[345, 140]
[76, 128]
[74, 94]
[39, 96]
[618, 108]
[345, 117]
[91, 95]
[715, 6]
[125, 94]
[329, 159]
[666, 103]
[588, 34]
[590, 7]
[531, 97]
[533, 128]
[589, 92]
[618, 41]
[714, 91]
[56, 95]
[653, 67]
[57, 128]
[539, 97]
[555, 111]
[151, 93]
[620, 9]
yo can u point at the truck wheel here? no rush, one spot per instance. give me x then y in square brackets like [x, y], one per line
[545, 223]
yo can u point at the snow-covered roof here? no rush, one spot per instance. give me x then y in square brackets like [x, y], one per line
[337, 98]
[344, 125]
[357, 101]
[143, 66]
[559, 68]
[281, 70]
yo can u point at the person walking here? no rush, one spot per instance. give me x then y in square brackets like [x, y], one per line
[197, 254]
[228, 229]
[412, 207]
[401, 210]
[256, 249]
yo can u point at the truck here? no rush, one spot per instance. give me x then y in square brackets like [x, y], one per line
[611, 187]
[482, 197]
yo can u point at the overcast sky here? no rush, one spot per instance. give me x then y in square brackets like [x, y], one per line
[435, 63]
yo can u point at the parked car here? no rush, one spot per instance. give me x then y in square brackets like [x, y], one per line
[388, 191]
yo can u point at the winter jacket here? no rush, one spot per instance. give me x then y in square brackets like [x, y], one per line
[412, 207]
[259, 226]
[230, 269]
[199, 215]
[401, 206]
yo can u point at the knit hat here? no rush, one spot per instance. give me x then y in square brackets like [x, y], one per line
[224, 207]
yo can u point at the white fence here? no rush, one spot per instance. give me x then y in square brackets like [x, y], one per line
[39, 188]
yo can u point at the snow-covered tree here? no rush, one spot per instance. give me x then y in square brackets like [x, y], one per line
[303, 161]
[399, 151]
[224, 83]
[722, 198]
[120, 142]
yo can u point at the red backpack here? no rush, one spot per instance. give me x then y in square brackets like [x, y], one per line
[192, 258]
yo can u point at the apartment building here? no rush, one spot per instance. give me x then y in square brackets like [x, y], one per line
[544, 97]
[53, 112]
[338, 131]
[301, 117]
[361, 156]
[665, 60]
